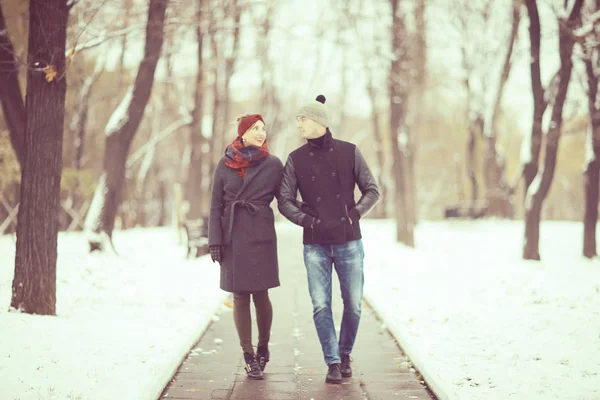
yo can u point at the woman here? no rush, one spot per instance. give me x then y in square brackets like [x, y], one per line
[242, 233]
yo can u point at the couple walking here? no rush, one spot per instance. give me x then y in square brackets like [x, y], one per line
[242, 233]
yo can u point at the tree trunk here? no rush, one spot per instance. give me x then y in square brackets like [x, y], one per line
[127, 5]
[591, 207]
[592, 170]
[475, 129]
[219, 137]
[530, 163]
[195, 192]
[162, 197]
[498, 193]
[537, 192]
[78, 123]
[34, 283]
[380, 208]
[398, 93]
[417, 92]
[11, 98]
[123, 126]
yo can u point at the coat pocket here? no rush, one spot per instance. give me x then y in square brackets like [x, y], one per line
[263, 226]
[331, 230]
[225, 230]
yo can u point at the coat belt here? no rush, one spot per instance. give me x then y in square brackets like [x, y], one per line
[252, 208]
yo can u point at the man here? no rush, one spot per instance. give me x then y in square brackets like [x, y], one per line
[325, 171]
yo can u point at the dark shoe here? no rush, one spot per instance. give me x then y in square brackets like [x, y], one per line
[334, 375]
[262, 356]
[345, 367]
[252, 369]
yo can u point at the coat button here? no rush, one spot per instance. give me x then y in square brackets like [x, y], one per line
[331, 149]
[343, 218]
[312, 178]
[312, 154]
[337, 196]
[318, 199]
[333, 174]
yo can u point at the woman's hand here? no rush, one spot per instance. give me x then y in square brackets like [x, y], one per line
[216, 253]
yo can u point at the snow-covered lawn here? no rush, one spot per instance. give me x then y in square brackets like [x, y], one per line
[480, 323]
[477, 321]
[123, 323]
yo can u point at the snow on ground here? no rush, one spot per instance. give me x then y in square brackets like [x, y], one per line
[123, 324]
[482, 324]
[476, 320]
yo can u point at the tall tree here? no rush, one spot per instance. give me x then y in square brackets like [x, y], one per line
[540, 186]
[11, 98]
[592, 162]
[224, 47]
[531, 155]
[195, 179]
[480, 59]
[498, 192]
[122, 127]
[399, 96]
[34, 282]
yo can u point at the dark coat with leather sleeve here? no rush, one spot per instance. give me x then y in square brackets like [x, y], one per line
[326, 177]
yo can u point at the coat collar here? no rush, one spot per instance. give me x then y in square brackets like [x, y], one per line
[327, 141]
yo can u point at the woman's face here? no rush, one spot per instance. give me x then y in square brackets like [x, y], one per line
[256, 135]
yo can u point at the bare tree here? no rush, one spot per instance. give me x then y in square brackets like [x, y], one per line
[122, 128]
[79, 119]
[11, 98]
[195, 179]
[34, 282]
[476, 25]
[531, 155]
[592, 164]
[498, 192]
[419, 78]
[540, 186]
[271, 106]
[370, 63]
[224, 46]
[399, 95]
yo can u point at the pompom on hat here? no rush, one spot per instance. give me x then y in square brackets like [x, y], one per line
[316, 111]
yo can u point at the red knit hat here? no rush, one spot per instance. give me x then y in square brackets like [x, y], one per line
[247, 121]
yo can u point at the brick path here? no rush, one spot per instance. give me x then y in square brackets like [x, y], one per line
[213, 369]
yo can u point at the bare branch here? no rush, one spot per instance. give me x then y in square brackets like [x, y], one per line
[104, 37]
[184, 121]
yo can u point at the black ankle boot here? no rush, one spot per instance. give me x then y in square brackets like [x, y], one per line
[252, 369]
[262, 356]
[333, 374]
[346, 366]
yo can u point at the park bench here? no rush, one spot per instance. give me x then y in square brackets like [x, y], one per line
[197, 236]
[466, 210]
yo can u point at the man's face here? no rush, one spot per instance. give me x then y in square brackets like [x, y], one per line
[308, 128]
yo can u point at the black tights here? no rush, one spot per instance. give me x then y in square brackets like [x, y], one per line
[243, 319]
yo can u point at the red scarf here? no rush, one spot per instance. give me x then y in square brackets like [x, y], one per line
[240, 157]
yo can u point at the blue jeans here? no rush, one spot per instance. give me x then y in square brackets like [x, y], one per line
[348, 260]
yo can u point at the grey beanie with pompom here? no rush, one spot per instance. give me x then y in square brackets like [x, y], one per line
[316, 111]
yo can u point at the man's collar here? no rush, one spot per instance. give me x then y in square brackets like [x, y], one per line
[324, 141]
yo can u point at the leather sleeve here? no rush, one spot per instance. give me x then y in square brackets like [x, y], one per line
[366, 183]
[286, 202]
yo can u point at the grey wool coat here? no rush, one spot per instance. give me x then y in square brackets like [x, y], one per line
[242, 222]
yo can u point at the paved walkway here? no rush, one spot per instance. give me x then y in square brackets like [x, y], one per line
[214, 368]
